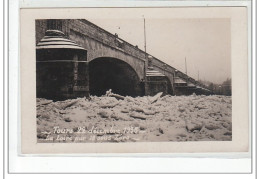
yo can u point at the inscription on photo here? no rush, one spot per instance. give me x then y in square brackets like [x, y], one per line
[80, 134]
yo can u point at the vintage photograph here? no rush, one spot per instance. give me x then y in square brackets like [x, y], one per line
[133, 80]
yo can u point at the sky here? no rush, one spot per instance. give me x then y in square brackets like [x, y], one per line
[204, 42]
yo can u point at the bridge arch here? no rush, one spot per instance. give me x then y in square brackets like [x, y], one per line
[111, 73]
[137, 64]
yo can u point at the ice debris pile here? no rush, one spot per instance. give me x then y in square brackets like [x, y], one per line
[148, 118]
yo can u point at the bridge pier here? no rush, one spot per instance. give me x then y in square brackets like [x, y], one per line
[61, 68]
[157, 82]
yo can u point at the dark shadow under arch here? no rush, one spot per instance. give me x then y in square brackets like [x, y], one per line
[110, 73]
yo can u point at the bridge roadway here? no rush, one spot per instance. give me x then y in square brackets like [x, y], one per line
[117, 64]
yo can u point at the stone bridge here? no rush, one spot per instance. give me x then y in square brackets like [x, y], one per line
[118, 65]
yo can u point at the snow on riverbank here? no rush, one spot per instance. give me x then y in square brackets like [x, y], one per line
[127, 119]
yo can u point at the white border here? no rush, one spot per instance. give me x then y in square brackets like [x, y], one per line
[24, 164]
[129, 3]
